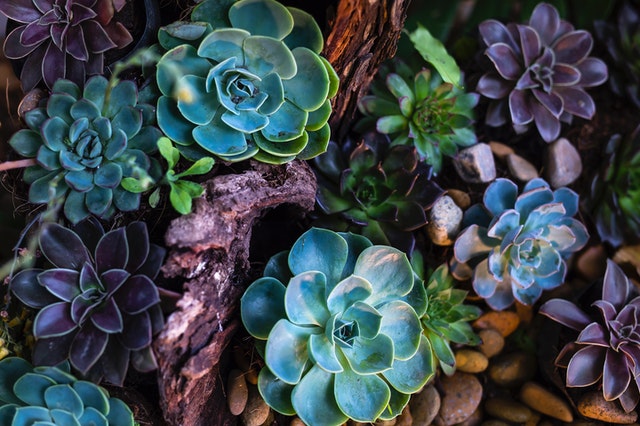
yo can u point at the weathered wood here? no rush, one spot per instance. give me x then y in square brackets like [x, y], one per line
[209, 248]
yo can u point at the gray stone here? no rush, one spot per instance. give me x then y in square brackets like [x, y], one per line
[475, 164]
[520, 168]
[563, 163]
[425, 406]
[445, 218]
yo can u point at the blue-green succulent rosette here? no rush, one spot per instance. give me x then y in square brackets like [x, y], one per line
[516, 246]
[341, 321]
[246, 83]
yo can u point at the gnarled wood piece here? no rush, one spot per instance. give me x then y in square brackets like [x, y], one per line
[210, 249]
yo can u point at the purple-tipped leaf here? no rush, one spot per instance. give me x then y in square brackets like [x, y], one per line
[112, 251]
[113, 280]
[530, 43]
[20, 10]
[108, 317]
[53, 320]
[573, 47]
[585, 367]
[505, 60]
[63, 247]
[493, 31]
[615, 286]
[577, 102]
[615, 375]
[594, 334]
[138, 294]
[26, 287]
[87, 347]
[566, 313]
[519, 107]
[62, 283]
[594, 72]
[137, 331]
[546, 21]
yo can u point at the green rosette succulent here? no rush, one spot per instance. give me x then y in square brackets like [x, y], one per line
[85, 142]
[343, 336]
[421, 110]
[516, 245]
[49, 396]
[614, 199]
[251, 88]
[378, 191]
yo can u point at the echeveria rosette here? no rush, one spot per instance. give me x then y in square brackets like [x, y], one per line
[423, 111]
[85, 142]
[375, 190]
[62, 38]
[53, 396]
[249, 90]
[541, 72]
[98, 306]
[516, 244]
[341, 322]
[608, 346]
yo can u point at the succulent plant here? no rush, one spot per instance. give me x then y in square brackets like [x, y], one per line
[421, 110]
[447, 318]
[97, 303]
[343, 337]
[614, 200]
[85, 142]
[608, 346]
[52, 396]
[541, 71]
[252, 89]
[62, 38]
[517, 244]
[623, 47]
[379, 191]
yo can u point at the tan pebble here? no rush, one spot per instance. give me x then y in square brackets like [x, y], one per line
[507, 409]
[533, 420]
[257, 411]
[270, 418]
[296, 422]
[30, 101]
[546, 402]
[470, 361]
[241, 359]
[474, 419]
[461, 395]
[251, 376]
[506, 322]
[237, 391]
[592, 263]
[461, 198]
[405, 418]
[425, 406]
[524, 312]
[391, 422]
[494, 422]
[512, 369]
[520, 168]
[492, 342]
[500, 150]
[594, 406]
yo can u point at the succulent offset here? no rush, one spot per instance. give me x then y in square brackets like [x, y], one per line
[98, 306]
[540, 74]
[85, 142]
[253, 88]
[517, 245]
[62, 38]
[421, 110]
[52, 396]
[608, 346]
[340, 318]
[375, 190]
[614, 200]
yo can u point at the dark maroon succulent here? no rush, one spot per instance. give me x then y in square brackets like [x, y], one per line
[62, 38]
[608, 349]
[540, 72]
[98, 304]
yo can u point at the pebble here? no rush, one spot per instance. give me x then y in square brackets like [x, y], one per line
[563, 163]
[500, 150]
[461, 198]
[594, 406]
[425, 406]
[512, 369]
[445, 218]
[474, 419]
[546, 402]
[391, 422]
[492, 342]
[237, 391]
[520, 168]
[470, 361]
[494, 422]
[405, 418]
[462, 393]
[30, 101]
[507, 409]
[257, 411]
[296, 422]
[475, 164]
[506, 322]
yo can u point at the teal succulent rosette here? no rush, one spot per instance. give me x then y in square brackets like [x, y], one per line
[246, 83]
[340, 318]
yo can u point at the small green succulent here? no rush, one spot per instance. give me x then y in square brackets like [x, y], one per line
[49, 396]
[420, 110]
[341, 321]
[375, 190]
[85, 142]
[614, 199]
[251, 88]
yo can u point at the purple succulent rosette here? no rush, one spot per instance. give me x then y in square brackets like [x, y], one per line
[541, 72]
[98, 304]
[608, 346]
[62, 38]
[516, 245]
